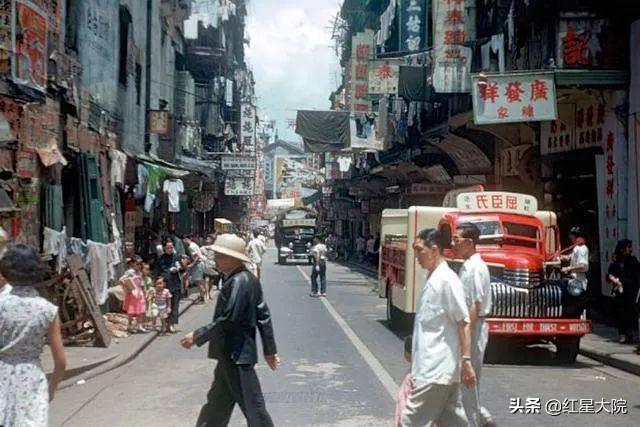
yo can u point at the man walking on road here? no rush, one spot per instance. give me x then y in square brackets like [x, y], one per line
[476, 282]
[319, 254]
[441, 338]
[256, 249]
[240, 310]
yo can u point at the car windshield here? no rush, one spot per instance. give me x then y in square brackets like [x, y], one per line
[292, 233]
[508, 233]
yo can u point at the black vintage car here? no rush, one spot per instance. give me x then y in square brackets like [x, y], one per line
[295, 230]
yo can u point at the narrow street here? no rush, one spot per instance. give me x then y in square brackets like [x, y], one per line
[329, 351]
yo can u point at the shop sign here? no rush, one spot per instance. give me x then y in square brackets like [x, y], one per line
[238, 161]
[413, 25]
[281, 203]
[29, 62]
[159, 122]
[247, 173]
[452, 59]
[327, 190]
[299, 222]
[248, 128]
[511, 159]
[238, 187]
[26, 161]
[514, 97]
[428, 189]
[579, 42]
[578, 126]
[383, 77]
[494, 201]
[363, 48]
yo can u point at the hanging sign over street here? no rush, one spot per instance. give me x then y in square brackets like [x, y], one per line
[238, 162]
[383, 77]
[238, 187]
[29, 63]
[363, 49]
[514, 97]
[413, 24]
[452, 59]
[496, 201]
[248, 128]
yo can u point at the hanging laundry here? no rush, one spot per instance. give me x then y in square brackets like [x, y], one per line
[344, 163]
[98, 262]
[173, 188]
[118, 166]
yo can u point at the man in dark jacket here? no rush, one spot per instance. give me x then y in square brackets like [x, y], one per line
[231, 335]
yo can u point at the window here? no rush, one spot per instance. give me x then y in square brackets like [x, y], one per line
[125, 27]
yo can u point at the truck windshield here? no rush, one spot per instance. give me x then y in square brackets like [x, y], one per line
[510, 233]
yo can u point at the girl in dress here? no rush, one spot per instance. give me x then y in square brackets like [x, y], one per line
[134, 300]
[162, 300]
[26, 321]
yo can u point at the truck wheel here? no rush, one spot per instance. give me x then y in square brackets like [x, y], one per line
[567, 349]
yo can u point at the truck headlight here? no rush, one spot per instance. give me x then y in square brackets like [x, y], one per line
[308, 244]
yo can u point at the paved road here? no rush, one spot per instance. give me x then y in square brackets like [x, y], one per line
[340, 367]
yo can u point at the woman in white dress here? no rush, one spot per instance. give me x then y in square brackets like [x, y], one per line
[26, 321]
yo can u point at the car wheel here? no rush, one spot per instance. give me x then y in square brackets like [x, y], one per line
[567, 349]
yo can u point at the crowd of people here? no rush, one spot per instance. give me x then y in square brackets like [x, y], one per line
[364, 249]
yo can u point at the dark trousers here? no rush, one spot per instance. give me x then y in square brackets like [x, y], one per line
[625, 313]
[323, 278]
[234, 384]
[176, 294]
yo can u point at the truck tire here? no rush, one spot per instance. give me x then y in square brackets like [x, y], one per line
[567, 349]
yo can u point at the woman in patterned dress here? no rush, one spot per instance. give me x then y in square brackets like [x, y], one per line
[26, 321]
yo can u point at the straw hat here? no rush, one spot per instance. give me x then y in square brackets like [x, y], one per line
[231, 245]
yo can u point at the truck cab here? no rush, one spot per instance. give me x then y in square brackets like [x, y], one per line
[521, 247]
[294, 234]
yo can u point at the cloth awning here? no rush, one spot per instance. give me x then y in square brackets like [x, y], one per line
[413, 84]
[323, 131]
[468, 158]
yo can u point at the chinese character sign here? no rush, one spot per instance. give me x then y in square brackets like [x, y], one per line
[494, 201]
[362, 49]
[247, 128]
[383, 77]
[579, 43]
[238, 162]
[517, 97]
[452, 60]
[29, 64]
[413, 25]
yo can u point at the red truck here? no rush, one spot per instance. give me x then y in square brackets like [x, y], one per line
[520, 246]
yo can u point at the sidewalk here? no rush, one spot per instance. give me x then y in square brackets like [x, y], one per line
[601, 345]
[86, 362]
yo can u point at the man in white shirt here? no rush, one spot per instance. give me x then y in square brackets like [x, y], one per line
[196, 267]
[441, 355]
[476, 283]
[319, 254]
[361, 244]
[371, 249]
[255, 250]
[578, 263]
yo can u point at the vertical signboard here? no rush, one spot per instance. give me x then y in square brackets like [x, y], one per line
[248, 128]
[29, 64]
[452, 59]
[413, 25]
[362, 50]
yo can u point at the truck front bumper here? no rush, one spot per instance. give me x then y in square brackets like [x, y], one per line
[538, 327]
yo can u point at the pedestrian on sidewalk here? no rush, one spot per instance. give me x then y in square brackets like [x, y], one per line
[241, 310]
[211, 274]
[319, 255]
[476, 283]
[371, 250]
[255, 251]
[26, 321]
[196, 267]
[168, 267]
[441, 355]
[361, 246]
[406, 387]
[134, 305]
[623, 277]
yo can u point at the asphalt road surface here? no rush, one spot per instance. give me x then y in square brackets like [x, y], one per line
[341, 365]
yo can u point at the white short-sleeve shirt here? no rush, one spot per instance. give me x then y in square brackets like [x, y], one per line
[436, 347]
[476, 282]
[580, 255]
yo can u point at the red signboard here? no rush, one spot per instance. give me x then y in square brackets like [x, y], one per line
[538, 327]
[29, 64]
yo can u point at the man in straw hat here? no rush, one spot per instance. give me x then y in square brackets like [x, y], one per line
[231, 335]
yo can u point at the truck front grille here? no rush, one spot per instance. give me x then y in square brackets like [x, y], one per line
[522, 278]
[511, 301]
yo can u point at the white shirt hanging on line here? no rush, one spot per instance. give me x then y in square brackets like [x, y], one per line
[173, 187]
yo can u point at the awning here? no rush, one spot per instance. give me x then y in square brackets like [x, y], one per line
[468, 158]
[323, 131]
[170, 169]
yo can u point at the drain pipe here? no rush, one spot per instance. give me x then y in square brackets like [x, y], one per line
[147, 97]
